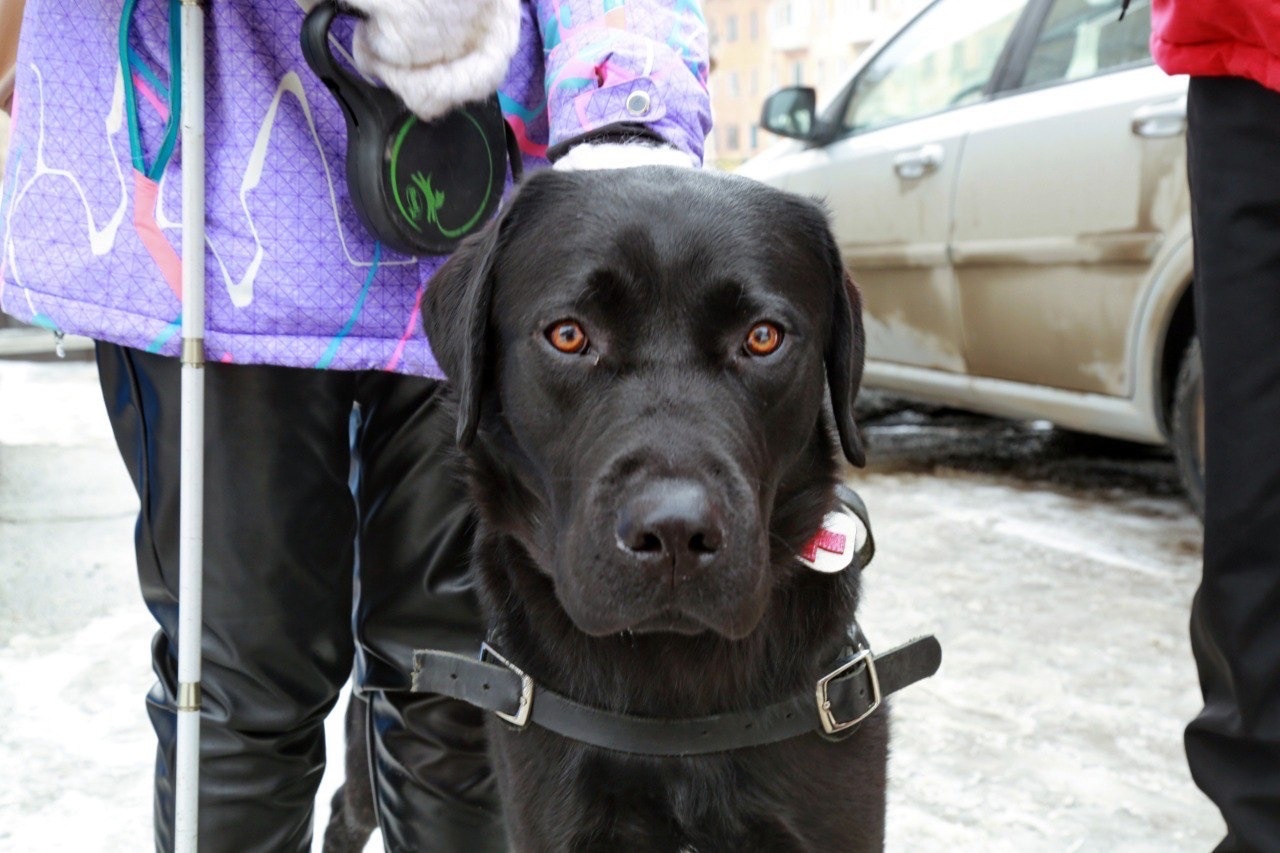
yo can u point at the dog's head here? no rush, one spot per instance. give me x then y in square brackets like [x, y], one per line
[641, 359]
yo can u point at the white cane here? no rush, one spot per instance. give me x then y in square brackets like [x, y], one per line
[191, 519]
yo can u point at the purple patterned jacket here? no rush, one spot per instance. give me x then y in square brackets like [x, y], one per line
[90, 207]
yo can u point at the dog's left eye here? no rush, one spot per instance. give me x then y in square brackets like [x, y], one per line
[568, 337]
[763, 339]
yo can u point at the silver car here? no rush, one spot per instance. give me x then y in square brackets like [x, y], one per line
[1007, 179]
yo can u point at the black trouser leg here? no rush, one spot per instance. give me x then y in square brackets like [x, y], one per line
[431, 777]
[279, 527]
[280, 531]
[1233, 746]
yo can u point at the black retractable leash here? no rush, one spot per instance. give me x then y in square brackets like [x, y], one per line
[419, 187]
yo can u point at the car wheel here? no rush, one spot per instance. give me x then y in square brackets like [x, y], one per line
[1188, 425]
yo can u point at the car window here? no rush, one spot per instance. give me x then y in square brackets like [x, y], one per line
[942, 59]
[1081, 38]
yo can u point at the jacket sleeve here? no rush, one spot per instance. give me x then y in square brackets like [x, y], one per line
[618, 69]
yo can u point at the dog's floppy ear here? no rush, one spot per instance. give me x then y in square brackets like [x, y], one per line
[845, 355]
[456, 318]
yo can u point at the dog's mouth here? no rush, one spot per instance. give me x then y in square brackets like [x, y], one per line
[669, 622]
[732, 616]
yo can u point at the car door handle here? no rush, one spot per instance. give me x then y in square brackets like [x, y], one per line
[1160, 121]
[911, 165]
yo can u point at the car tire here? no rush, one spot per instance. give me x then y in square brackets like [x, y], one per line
[1187, 433]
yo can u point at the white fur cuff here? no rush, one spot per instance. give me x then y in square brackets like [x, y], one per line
[437, 54]
[621, 155]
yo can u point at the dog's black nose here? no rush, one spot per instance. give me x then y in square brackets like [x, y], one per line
[671, 525]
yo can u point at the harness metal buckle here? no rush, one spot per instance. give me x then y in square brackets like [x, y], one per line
[829, 722]
[521, 716]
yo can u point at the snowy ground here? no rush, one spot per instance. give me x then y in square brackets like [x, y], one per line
[1056, 574]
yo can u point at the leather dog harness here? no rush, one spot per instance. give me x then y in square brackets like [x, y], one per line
[843, 698]
[853, 688]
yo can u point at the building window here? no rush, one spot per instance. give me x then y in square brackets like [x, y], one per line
[734, 90]
[755, 25]
[797, 73]
[754, 135]
[731, 141]
[731, 28]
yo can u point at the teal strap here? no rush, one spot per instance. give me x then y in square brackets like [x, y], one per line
[131, 96]
[140, 66]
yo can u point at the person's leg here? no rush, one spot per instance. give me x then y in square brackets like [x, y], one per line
[1233, 746]
[433, 786]
[278, 558]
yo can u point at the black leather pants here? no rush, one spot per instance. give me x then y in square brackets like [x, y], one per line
[1233, 746]
[327, 535]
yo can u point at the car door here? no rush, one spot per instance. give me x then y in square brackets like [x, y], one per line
[1068, 184]
[888, 175]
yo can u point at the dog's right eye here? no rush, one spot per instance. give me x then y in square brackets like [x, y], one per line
[567, 336]
[763, 339]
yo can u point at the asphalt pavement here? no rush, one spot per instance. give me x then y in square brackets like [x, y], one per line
[1057, 571]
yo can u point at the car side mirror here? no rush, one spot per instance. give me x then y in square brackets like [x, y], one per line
[791, 112]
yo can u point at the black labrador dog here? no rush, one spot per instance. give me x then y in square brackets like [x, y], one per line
[641, 359]
[655, 370]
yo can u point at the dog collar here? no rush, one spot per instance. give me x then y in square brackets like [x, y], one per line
[852, 689]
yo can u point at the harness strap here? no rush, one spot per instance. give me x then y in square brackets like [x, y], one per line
[852, 689]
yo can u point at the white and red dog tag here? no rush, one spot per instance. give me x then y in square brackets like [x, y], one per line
[836, 543]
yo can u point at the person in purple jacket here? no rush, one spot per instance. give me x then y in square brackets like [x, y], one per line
[334, 527]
